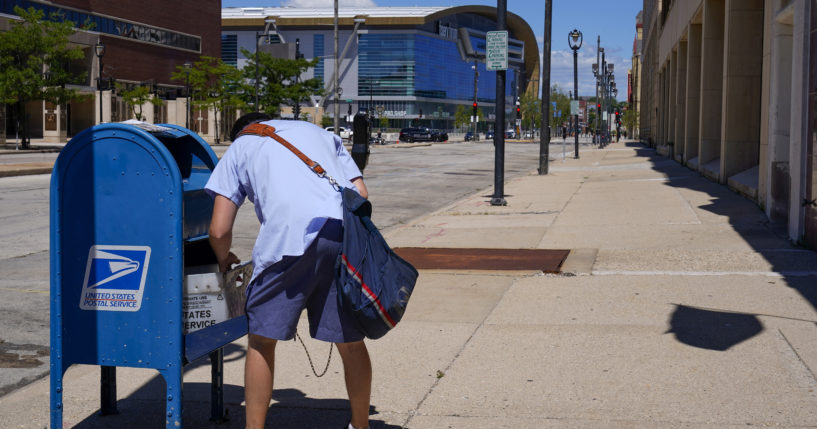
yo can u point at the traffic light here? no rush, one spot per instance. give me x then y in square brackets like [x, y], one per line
[598, 106]
[421, 113]
[474, 110]
[518, 113]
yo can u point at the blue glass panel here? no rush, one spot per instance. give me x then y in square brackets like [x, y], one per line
[386, 64]
[318, 52]
[229, 49]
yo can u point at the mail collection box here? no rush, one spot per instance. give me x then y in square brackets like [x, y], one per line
[134, 282]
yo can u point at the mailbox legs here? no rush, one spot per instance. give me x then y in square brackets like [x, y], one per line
[217, 385]
[173, 381]
[107, 392]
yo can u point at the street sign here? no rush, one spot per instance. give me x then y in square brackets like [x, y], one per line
[496, 50]
[574, 107]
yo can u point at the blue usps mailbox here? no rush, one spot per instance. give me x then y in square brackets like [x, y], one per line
[129, 220]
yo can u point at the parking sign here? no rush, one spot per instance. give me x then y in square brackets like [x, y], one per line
[496, 50]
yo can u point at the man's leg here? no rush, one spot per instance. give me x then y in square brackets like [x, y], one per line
[259, 368]
[357, 370]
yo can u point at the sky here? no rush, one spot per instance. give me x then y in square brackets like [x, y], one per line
[612, 20]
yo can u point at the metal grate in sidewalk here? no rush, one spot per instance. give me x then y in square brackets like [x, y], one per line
[545, 260]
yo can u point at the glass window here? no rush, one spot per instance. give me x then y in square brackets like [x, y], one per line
[386, 64]
[318, 52]
[229, 49]
[424, 66]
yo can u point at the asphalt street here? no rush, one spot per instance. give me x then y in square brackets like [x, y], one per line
[404, 183]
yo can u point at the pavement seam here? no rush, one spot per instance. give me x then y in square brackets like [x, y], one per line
[414, 411]
[705, 273]
[688, 205]
[802, 362]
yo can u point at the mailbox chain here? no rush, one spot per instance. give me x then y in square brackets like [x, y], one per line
[329, 359]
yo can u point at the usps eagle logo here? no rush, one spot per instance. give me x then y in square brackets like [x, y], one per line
[115, 278]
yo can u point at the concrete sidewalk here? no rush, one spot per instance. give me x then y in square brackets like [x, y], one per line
[679, 307]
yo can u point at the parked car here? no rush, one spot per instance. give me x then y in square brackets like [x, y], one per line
[510, 134]
[439, 136]
[345, 133]
[469, 136]
[489, 135]
[415, 135]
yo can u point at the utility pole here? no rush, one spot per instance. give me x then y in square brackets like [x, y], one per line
[544, 133]
[498, 198]
[598, 110]
[337, 70]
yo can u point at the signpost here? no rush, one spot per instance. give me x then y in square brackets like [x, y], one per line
[496, 56]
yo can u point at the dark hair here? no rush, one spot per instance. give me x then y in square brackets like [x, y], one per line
[245, 120]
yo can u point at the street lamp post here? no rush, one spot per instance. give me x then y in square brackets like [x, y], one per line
[369, 108]
[99, 50]
[474, 110]
[187, 67]
[574, 40]
[296, 111]
[258, 37]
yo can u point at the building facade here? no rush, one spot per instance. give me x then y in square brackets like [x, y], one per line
[634, 74]
[144, 44]
[729, 90]
[403, 63]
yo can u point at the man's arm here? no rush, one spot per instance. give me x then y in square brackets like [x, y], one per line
[221, 231]
[361, 187]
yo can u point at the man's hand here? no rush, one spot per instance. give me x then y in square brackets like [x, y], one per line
[227, 263]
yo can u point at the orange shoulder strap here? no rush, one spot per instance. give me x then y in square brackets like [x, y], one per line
[259, 129]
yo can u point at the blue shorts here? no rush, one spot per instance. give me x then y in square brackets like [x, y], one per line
[276, 298]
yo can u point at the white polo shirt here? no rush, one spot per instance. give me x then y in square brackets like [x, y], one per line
[291, 201]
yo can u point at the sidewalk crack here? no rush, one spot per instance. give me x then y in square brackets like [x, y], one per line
[441, 373]
[813, 376]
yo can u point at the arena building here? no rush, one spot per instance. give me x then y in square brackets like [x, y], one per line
[402, 62]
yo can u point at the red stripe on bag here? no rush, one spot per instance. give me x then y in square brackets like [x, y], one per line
[368, 292]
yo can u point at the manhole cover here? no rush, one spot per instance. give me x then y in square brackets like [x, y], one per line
[545, 260]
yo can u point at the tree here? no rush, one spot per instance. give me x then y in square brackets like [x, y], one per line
[462, 116]
[35, 56]
[277, 81]
[136, 97]
[327, 121]
[630, 120]
[213, 84]
[562, 106]
[531, 108]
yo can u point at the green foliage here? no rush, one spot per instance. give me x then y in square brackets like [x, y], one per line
[213, 85]
[35, 56]
[384, 122]
[136, 97]
[278, 81]
[462, 116]
[562, 104]
[531, 107]
[630, 119]
[327, 121]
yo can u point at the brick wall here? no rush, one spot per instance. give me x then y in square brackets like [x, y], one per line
[138, 61]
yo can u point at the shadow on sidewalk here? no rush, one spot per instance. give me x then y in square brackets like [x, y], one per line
[720, 329]
[145, 407]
